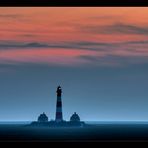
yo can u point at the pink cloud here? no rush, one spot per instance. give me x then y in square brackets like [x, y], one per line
[55, 56]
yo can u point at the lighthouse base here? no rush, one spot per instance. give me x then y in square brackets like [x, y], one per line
[58, 124]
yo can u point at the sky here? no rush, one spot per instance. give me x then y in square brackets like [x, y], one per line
[98, 55]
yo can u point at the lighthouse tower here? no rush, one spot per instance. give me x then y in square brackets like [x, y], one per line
[59, 115]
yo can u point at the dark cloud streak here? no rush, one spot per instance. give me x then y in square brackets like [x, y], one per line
[114, 60]
[117, 28]
[81, 45]
[66, 45]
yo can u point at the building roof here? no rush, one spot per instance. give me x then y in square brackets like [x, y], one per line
[75, 117]
[43, 117]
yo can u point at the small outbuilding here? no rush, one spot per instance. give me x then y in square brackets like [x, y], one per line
[75, 118]
[43, 118]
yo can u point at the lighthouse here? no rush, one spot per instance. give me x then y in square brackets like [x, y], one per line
[59, 115]
[58, 122]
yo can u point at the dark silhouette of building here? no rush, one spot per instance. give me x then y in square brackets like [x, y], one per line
[43, 118]
[59, 114]
[58, 122]
[75, 118]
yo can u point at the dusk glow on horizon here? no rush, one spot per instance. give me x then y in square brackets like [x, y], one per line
[98, 55]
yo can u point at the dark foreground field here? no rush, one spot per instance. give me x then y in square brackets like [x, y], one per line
[100, 132]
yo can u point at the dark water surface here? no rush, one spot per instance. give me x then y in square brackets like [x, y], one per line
[118, 131]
